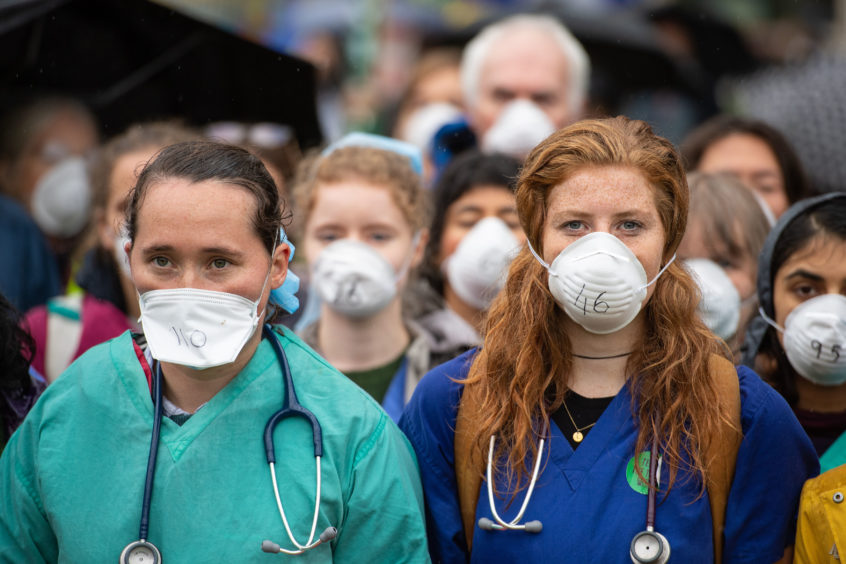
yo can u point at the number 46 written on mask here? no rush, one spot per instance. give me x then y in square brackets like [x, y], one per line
[598, 306]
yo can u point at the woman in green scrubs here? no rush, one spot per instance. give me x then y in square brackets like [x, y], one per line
[204, 252]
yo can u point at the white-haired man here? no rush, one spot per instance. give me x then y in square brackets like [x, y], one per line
[522, 78]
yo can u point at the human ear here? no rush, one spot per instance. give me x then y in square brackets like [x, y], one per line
[420, 249]
[279, 265]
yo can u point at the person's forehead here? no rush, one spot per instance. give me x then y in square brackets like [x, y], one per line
[525, 51]
[182, 197]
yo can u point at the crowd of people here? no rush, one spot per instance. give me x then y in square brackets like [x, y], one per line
[514, 331]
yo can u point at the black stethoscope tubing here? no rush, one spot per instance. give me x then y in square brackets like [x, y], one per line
[144, 528]
[290, 405]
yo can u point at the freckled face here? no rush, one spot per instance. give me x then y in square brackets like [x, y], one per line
[616, 200]
[818, 268]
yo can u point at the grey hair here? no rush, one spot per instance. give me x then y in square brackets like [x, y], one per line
[477, 50]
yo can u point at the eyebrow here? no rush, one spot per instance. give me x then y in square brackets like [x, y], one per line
[578, 213]
[470, 208]
[228, 251]
[801, 273]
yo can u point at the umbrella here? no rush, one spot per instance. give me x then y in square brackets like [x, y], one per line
[135, 60]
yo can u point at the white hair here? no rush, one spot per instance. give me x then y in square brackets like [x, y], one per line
[477, 50]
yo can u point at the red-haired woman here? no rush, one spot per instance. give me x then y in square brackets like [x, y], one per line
[593, 358]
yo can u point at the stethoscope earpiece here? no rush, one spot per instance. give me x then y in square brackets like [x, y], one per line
[649, 547]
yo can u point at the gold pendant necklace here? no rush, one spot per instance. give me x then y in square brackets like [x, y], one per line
[578, 436]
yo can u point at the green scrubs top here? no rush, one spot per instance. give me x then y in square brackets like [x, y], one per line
[835, 455]
[73, 473]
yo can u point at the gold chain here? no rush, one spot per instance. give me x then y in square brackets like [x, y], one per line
[577, 436]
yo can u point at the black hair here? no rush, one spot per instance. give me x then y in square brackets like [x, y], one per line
[471, 169]
[199, 161]
[715, 129]
[823, 220]
[17, 347]
[19, 390]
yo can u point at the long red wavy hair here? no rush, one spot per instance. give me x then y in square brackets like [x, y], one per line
[521, 371]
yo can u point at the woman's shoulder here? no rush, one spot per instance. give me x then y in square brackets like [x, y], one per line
[758, 399]
[432, 410]
[441, 386]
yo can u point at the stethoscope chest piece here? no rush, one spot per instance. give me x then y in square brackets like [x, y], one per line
[141, 552]
[650, 547]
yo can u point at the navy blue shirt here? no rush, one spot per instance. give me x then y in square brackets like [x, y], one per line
[590, 505]
[29, 275]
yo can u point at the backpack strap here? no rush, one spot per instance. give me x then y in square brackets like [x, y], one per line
[721, 451]
[64, 331]
[467, 467]
[720, 454]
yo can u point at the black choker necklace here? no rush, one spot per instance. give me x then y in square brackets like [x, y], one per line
[602, 357]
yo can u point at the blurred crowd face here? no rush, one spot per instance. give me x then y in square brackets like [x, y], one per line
[818, 268]
[473, 206]
[123, 177]
[523, 65]
[741, 269]
[753, 162]
[362, 212]
[442, 85]
[66, 135]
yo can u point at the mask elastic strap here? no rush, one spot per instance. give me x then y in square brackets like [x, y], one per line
[770, 321]
[660, 272]
[267, 276]
[539, 259]
[406, 264]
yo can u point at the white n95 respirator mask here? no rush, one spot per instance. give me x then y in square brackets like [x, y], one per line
[815, 339]
[719, 307]
[598, 281]
[520, 126]
[476, 271]
[197, 328]
[121, 238]
[61, 201]
[353, 279]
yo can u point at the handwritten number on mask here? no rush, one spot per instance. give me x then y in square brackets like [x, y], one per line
[599, 306]
[818, 346]
[196, 340]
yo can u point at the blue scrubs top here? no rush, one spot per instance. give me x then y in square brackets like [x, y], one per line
[591, 507]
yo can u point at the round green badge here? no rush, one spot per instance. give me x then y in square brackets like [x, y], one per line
[636, 483]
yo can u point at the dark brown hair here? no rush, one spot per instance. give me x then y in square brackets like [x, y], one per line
[199, 161]
[718, 128]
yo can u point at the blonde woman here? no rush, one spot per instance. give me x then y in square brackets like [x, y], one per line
[365, 218]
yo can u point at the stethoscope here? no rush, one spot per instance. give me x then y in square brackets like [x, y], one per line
[647, 547]
[143, 551]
